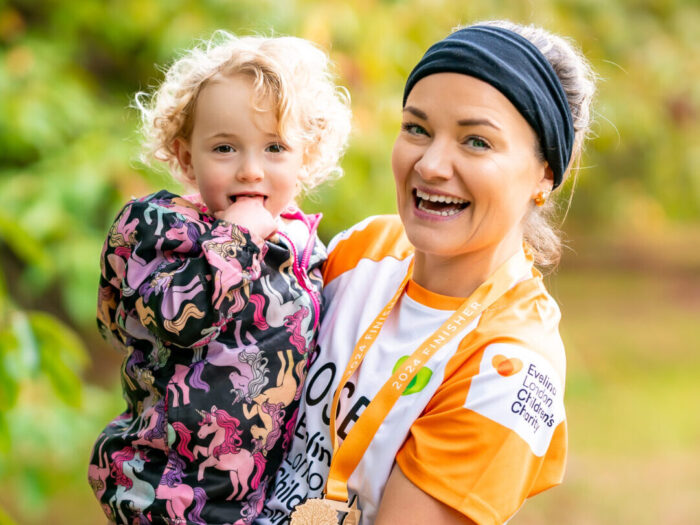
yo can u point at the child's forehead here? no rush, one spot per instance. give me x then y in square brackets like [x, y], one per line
[228, 100]
[240, 83]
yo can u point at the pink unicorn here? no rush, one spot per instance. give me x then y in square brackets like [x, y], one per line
[229, 272]
[179, 496]
[178, 381]
[253, 505]
[187, 232]
[225, 453]
[155, 433]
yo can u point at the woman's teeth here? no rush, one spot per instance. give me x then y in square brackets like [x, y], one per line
[439, 198]
[442, 205]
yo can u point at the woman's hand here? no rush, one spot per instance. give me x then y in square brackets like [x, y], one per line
[405, 503]
[251, 214]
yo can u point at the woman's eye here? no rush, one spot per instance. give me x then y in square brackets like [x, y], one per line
[477, 142]
[224, 148]
[276, 148]
[413, 129]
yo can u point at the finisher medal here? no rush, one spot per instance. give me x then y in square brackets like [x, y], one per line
[318, 511]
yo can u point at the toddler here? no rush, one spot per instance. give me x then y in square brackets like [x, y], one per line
[215, 296]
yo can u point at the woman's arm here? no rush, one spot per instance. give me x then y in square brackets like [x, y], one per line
[405, 503]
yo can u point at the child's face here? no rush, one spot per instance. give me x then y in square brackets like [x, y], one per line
[235, 151]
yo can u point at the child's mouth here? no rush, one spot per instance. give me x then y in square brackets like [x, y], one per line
[437, 204]
[238, 197]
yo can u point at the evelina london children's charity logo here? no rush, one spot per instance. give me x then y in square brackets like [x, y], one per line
[519, 389]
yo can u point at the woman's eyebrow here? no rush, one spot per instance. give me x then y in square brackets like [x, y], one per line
[416, 112]
[463, 122]
[477, 122]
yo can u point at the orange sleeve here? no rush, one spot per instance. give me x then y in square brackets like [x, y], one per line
[472, 463]
[374, 238]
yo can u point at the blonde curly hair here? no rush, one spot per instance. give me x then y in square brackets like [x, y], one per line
[290, 72]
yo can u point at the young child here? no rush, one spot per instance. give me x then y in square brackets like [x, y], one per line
[215, 296]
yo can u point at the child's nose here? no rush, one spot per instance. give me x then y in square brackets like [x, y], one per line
[251, 170]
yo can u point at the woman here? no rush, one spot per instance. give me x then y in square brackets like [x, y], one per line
[439, 350]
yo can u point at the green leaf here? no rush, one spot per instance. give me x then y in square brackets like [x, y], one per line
[28, 357]
[9, 369]
[63, 355]
[22, 243]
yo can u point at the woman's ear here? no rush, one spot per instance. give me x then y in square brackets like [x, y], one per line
[184, 158]
[546, 183]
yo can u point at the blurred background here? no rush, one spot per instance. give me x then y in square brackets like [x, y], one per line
[629, 284]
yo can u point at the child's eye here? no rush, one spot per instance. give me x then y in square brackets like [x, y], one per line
[276, 148]
[477, 143]
[224, 148]
[413, 129]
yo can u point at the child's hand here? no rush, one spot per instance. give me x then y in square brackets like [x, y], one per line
[250, 213]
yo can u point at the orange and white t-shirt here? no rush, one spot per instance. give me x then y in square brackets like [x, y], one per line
[480, 428]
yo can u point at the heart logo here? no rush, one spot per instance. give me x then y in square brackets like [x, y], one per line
[506, 366]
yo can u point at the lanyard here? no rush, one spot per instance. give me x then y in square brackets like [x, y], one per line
[347, 456]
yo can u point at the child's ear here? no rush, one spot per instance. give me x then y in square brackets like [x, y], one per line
[184, 158]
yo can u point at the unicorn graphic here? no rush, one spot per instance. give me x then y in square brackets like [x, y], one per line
[249, 377]
[178, 495]
[225, 453]
[253, 505]
[269, 404]
[178, 381]
[155, 433]
[186, 232]
[132, 490]
[293, 324]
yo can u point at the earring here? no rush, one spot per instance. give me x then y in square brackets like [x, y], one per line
[541, 198]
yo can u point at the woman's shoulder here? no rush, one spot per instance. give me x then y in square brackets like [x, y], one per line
[526, 317]
[375, 238]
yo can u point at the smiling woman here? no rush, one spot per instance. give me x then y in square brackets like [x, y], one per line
[437, 394]
[471, 144]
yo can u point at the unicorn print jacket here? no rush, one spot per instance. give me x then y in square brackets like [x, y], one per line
[217, 328]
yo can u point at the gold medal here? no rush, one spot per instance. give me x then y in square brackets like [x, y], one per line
[316, 511]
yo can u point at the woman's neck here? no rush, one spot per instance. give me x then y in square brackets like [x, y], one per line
[459, 275]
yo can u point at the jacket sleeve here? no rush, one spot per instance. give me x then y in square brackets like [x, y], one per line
[181, 279]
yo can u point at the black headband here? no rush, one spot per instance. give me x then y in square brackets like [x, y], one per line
[514, 66]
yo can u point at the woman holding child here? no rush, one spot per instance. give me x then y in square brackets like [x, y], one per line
[437, 392]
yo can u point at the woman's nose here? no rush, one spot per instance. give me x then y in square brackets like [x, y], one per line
[251, 169]
[436, 162]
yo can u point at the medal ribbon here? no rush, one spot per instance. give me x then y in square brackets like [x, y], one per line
[347, 456]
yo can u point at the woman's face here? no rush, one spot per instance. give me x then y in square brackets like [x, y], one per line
[466, 168]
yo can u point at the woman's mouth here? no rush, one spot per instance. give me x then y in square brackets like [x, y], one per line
[439, 205]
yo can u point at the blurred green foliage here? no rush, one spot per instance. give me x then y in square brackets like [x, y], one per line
[68, 149]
